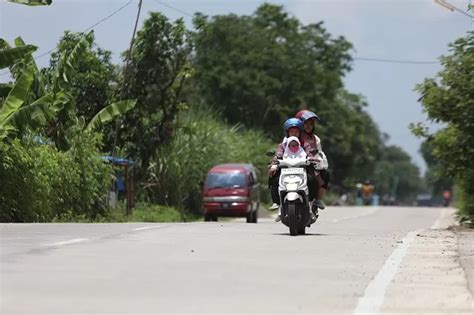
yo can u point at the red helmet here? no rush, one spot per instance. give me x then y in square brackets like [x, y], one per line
[306, 114]
[300, 113]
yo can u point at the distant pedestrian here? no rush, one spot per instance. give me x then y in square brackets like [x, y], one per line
[447, 196]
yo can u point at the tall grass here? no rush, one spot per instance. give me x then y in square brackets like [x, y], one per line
[202, 141]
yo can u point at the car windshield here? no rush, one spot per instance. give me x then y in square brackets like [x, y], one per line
[225, 180]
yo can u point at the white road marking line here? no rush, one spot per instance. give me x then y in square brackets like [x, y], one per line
[372, 300]
[146, 228]
[73, 241]
[446, 212]
[366, 213]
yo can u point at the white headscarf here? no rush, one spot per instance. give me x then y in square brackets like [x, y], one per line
[290, 155]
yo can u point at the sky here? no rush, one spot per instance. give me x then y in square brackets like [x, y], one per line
[412, 30]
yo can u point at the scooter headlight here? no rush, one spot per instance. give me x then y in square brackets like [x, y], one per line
[291, 187]
[294, 179]
[292, 182]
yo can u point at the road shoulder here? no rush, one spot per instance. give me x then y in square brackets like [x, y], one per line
[466, 253]
[431, 278]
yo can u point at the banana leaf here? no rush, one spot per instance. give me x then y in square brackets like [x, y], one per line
[17, 95]
[9, 56]
[110, 112]
[32, 2]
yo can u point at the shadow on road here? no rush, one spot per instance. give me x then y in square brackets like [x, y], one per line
[307, 234]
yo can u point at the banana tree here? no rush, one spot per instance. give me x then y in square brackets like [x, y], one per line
[17, 115]
[18, 111]
[30, 102]
[33, 101]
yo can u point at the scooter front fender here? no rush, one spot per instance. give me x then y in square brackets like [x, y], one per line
[293, 196]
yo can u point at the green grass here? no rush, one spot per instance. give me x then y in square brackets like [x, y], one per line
[141, 213]
[158, 213]
[144, 212]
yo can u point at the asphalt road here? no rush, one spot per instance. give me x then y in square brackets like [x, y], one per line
[361, 260]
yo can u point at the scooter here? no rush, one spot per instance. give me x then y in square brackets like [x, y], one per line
[294, 195]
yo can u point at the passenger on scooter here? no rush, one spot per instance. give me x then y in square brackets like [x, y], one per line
[292, 128]
[309, 138]
[293, 149]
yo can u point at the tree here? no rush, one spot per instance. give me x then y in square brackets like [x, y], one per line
[435, 177]
[449, 99]
[93, 79]
[88, 77]
[395, 173]
[155, 77]
[260, 69]
[350, 139]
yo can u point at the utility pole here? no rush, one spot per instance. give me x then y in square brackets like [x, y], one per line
[125, 75]
[129, 55]
[125, 72]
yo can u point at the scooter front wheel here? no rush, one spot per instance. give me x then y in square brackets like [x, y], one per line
[292, 219]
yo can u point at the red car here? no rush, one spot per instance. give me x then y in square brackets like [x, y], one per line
[231, 190]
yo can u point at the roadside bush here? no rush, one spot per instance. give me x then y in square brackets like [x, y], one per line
[40, 183]
[94, 176]
[21, 197]
[466, 198]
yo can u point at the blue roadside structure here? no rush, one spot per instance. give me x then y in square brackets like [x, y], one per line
[42, 141]
[123, 181]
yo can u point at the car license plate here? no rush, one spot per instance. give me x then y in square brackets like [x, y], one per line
[225, 205]
[292, 170]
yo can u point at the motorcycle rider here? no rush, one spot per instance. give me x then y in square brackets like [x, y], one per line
[367, 192]
[292, 128]
[310, 139]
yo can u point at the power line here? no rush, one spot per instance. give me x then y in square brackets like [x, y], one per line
[108, 16]
[396, 61]
[173, 8]
[86, 30]
[355, 58]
